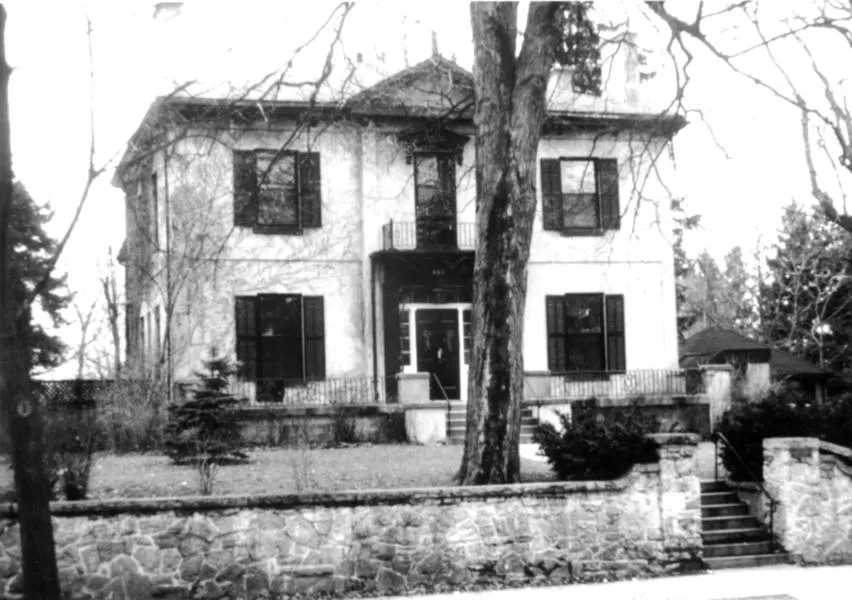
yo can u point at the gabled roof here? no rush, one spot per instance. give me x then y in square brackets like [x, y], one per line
[434, 87]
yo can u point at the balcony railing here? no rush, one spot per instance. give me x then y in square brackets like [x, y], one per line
[608, 384]
[434, 234]
[324, 392]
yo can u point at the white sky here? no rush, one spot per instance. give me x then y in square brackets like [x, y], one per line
[738, 196]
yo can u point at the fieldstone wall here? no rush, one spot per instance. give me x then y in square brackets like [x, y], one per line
[256, 547]
[812, 482]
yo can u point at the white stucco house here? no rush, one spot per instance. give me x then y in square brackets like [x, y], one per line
[330, 245]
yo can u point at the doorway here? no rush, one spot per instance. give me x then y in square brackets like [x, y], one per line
[437, 331]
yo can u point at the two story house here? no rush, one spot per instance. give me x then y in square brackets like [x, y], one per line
[328, 247]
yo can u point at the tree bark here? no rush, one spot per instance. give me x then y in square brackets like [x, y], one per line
[22, 421]
[509, 112]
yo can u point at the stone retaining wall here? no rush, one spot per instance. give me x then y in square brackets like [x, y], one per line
[812, 482]
[251, 547]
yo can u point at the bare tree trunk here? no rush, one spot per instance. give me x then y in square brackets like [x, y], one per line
[110, 289]
[509, 113]
[22, 412]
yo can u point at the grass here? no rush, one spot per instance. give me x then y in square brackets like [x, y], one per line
[280, 471]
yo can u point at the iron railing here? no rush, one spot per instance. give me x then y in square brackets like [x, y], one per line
[436, 234]
[573, 385]
[773, 503]
[321, 392]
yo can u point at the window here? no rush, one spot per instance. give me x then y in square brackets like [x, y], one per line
[155, 212]
[435, 199]
[585, 332]
[277, 191]
[580, 195]
[142, 347]
[280, 336]
[157, 333]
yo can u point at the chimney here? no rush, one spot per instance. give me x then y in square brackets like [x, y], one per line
[435, 52]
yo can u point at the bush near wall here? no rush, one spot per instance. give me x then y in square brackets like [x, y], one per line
[592, 445]
[783, 413]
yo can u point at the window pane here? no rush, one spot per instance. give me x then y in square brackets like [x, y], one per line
[583, 314]
[277, 194]
[585, 353]
[578, 177]
[427, 171]
[580, 210]
[281, 357]
[280, 315]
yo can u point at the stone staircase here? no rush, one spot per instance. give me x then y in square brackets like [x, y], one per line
[457, 416]
[732, 537]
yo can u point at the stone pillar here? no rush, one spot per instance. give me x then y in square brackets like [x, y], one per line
[718, 385]
[680, 498]
[791, 475]
[413, 388]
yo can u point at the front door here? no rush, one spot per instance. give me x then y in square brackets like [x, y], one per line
[438, 351]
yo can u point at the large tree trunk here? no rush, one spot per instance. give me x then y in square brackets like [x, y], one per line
[21, 411]
[508, 116]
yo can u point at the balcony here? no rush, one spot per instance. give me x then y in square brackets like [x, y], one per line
[435, 234]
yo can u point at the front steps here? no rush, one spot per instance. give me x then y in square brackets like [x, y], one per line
[457, 418]
[732, 537]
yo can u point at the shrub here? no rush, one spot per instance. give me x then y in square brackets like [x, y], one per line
[70, 437]
[783, 413]
[591, 446]
[132, 415]
[836, 420]
[204, 431]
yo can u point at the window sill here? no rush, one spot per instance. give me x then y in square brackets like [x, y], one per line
[277, 230]
[583, 232]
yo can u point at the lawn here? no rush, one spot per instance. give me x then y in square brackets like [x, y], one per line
[280, 471]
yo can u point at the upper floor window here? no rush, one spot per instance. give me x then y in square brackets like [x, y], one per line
[435, 199]
[155, 211]
[580, 195]
[276, 191]
[585, 332]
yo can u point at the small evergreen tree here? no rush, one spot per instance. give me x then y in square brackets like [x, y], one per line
[204, 430]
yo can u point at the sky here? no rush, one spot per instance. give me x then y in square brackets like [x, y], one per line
[737, 170]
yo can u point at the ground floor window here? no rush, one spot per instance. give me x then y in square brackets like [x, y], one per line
[585, 332]
[280, 336]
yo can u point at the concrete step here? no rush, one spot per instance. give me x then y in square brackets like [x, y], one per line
[714, 486]
[737, 549]
[724, 510]
[735, 536]
[713, 498]
[754, 560]
[728, 522]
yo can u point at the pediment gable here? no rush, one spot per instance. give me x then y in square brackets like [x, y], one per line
[434, 87]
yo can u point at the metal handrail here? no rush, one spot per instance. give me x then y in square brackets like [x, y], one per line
[773, 503]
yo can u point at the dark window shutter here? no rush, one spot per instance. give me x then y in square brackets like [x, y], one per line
[555, 312]
[309, 189]
[246, 321]
[245, 188]
[615, 353]
[551, 194]
[608, 188]
[314, 337]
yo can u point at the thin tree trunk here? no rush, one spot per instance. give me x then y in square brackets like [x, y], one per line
[508, 115]
[22, 412]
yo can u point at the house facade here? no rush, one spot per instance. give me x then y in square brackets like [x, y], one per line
[330, 246]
